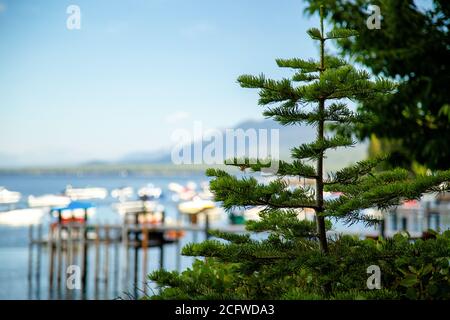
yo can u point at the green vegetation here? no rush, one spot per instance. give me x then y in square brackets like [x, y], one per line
[409, 270]
[413, 44]
[288, 258]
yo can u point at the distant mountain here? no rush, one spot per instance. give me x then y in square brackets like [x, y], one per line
[289, 136]
[149, 157]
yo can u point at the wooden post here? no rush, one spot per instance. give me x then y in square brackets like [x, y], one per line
[144, 254]
[127, 256]
[85, 257]
[116, 263]
[194, 233]
[161, 255]
[161, 247]
[68, 259]
[97, 260]
[59, 262]
[106, 263]
[136, 255]
[206, 225]
[69, 250]
[178, 255]
[38, 262]
[51, 264]
[30, 261]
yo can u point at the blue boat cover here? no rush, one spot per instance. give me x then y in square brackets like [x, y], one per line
[75, 205]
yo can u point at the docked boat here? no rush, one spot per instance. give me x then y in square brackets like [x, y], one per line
[75, 211]
[22, 217]
[241, 217]
[149, 192]
[206, 193]
[150, 212]
[85, 193]
[122, 194]
[48, 200]
[7, 197]
[137, 206]
[196, 206]
[183, 193]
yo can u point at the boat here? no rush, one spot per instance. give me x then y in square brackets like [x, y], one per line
[150, 212]
[122, 194]
[206, 193]
[75, 211]
[48, 200]
[196, 206]
[242, 216]
[22, 217]
[7, 197]
[183, 193]
[85, 193]
[149, 192]
[137, 206]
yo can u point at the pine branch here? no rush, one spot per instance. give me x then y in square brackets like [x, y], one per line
[296, 168]
[370, 181]
[351, 174]
[315, 149]
[283, 224]
[306, 66]
[271, 90]
[383, 196]
[336, 112]
[314, 33]
[232, 237]
[341, 34]
[245, 192]
[232, 252]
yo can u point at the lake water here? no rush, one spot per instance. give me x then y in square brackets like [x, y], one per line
[14, 252]
[19, 280]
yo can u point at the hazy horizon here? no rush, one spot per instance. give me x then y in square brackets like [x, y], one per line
[133, 73]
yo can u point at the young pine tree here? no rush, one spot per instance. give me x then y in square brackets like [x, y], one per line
[245, 267]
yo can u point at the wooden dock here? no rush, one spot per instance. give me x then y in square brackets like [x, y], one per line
[105, 253]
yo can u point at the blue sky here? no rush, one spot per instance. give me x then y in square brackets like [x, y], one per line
[137, 70]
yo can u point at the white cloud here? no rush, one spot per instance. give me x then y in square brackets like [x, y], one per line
[177, 117]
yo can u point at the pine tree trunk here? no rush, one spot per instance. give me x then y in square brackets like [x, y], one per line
[319, 192]
[320, 136]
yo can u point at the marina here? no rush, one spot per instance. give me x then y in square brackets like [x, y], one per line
[113, 243]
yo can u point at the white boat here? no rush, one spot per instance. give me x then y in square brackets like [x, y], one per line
[85, 193]
[137, 206]
[48, 200]
[21, 217]
[147, 211]
[184, 193]
[196, 206]
[7, 196]
[175, 187]
[75, 210]
[122, 194]
[206, 193]
[149, 192]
